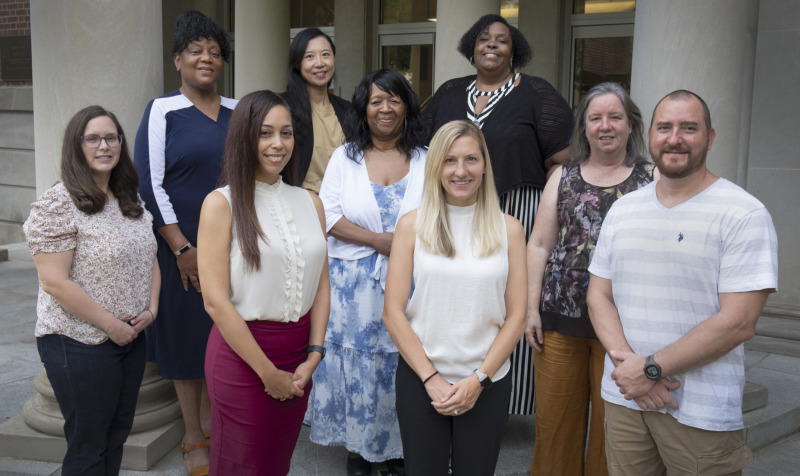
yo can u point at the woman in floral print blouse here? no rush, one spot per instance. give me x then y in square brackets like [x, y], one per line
[607, 160]
[94, 250]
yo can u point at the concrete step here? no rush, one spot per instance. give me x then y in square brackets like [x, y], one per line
[755, 397]
[771, 423]
[773, 345]
[780, 327]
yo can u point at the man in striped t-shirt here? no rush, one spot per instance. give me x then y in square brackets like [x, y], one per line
[681, 272]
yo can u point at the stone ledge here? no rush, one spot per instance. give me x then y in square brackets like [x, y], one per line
[771, 423]
[142, 450]
[773, 345]
[755, 396]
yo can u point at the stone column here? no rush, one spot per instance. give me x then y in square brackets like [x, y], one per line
[541, 23]
[453, 18]
[109, 54]
[708, 48]
[88, 53]
[352, 35]
[262, 46]
[773, 168]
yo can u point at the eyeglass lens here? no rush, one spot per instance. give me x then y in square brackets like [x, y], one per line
[94, 140]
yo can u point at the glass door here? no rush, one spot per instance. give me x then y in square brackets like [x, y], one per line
[412, 56]
[600, 54]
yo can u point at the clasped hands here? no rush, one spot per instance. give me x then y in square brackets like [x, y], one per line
[453, 399]
[282, 385]
[629, 377]
[123, 333]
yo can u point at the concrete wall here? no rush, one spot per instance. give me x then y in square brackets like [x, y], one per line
[773, 171]
[17, 165]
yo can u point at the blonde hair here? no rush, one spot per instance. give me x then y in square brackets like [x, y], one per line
[433, 224]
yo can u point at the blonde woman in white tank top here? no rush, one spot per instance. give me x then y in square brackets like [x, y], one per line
[466, 314]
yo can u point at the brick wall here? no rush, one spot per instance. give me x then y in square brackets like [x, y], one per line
[15, 20]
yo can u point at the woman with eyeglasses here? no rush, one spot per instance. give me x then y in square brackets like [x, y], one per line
[179, 157]
[94, 250]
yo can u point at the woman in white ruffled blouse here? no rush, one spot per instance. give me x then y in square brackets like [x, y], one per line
[263, 263]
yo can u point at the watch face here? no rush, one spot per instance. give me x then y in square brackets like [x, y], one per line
[652, 371]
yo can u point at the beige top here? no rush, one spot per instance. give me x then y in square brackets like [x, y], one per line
[291, 260]
[112, 261]
[328, 135]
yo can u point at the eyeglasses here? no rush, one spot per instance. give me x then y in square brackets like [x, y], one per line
[93, 141]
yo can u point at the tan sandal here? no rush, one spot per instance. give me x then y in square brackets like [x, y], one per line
[200, 470]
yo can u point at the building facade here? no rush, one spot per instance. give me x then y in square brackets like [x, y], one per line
[740, 55]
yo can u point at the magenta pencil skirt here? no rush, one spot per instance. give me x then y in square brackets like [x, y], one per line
[251, 432]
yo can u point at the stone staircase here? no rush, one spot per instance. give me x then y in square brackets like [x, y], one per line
[769, 420]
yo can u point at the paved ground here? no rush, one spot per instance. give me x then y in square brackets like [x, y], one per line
[19, 364]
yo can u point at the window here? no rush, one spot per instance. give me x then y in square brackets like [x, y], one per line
[308, 13]
[407, 11]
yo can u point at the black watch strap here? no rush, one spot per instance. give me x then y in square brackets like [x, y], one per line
[484, 379]
[651, 369]
[316, 348]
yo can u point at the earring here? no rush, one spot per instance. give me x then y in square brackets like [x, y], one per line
[511, 64]
[472, 60]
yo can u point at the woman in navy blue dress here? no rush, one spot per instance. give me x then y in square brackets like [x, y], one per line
[179, 157]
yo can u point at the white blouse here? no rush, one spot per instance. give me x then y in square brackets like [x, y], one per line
[458, 305]
[291, 259]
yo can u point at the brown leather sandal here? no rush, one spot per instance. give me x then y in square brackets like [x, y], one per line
[200, 470]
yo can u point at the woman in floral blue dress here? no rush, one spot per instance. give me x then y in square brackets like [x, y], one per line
[370, 182]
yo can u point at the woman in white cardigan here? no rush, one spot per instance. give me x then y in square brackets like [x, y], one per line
[370, 182]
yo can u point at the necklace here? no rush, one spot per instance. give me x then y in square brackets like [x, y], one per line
[494, 89]
[383, 150]
[494, 97]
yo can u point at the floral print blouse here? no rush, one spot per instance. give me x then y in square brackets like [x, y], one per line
[581, 210]
[112, 261]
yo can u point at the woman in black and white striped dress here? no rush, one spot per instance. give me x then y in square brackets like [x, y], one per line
[527, 125]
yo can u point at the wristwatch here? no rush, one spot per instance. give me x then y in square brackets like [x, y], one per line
[316, 348]
[651, 369]
[486, 382]
[183, 249]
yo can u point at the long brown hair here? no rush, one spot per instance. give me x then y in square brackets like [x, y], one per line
[239, 170]
[77, 176]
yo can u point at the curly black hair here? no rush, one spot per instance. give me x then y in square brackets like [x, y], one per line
[192, 25]
[356, 129]
[521, 48]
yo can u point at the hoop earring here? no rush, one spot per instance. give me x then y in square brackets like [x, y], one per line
[472, 60]
[511, 64]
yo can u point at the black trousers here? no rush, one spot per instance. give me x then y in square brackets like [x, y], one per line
[430, 439]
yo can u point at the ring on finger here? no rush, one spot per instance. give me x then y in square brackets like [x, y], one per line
[455, 412]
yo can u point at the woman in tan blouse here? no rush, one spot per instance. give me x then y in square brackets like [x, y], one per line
[317, 114]
[94, 250]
